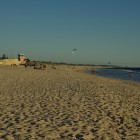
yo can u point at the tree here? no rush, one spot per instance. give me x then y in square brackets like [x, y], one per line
[4, 56]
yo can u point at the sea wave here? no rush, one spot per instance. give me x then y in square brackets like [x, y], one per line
[123, 74]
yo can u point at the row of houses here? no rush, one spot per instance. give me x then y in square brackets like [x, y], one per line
[14, 61]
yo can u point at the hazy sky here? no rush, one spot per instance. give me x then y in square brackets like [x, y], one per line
[100, 30]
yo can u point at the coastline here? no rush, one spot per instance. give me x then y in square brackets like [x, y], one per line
[115, 73]
[65, 103]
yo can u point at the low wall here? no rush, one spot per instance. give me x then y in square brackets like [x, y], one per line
[10, 62]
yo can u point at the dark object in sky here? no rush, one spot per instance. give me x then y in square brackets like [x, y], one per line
[74, 50]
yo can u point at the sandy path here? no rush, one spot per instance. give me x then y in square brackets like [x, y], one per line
[62, 103]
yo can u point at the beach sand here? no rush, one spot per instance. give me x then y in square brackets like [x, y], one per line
[66, 104]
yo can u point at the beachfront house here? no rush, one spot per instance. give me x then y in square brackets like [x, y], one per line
[13, 61]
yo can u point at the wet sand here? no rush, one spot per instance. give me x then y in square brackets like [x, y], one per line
[66, 104]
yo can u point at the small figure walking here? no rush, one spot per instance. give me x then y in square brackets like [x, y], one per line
[26, 65]
[130, 74]
[93, 71]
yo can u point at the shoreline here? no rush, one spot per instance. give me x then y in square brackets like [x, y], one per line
[108, 76]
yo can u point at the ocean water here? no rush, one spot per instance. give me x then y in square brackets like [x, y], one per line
[132, 74]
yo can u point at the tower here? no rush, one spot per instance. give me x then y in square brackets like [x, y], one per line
[21, 58]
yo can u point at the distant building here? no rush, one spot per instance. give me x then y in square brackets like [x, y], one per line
[9, 61]
[14, 61]
[21, 58]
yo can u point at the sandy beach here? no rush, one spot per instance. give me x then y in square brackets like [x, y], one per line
[66, 104]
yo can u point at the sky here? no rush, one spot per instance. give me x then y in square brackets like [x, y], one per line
[102, 31]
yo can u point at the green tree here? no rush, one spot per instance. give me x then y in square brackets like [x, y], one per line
[4, 56]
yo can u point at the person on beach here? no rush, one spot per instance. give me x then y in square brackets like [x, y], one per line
[26, 64]
[93, 72]
[130, 74]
